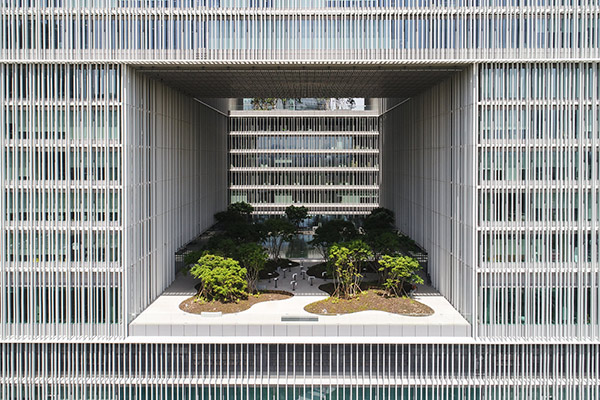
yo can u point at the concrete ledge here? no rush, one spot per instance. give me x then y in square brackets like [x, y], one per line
[305, 330]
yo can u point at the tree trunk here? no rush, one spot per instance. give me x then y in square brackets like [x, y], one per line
[279, 243]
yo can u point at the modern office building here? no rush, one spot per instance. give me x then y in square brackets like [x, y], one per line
[114, 153]
[326, 160]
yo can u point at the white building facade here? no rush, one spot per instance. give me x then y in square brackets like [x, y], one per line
[110, 163]
[326, 161]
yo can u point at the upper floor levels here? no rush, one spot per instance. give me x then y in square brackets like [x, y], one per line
[259, 31]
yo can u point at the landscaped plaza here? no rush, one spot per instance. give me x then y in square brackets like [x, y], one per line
[288, 318]
[240, 270]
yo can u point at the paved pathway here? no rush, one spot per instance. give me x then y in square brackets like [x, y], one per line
[305, 285]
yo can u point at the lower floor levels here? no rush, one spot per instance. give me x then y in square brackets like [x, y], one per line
[181, 391]
[299, 371]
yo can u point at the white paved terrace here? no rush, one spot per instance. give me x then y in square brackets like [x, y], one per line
[272, 319]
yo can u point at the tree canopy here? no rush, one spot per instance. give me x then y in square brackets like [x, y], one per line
[253, 257]
[333, 231]
[296, 214]
[386, 242]
[242, 208]
[221, 245]
[221, 278]
[236, 223]
[277, 231]
[379, 220]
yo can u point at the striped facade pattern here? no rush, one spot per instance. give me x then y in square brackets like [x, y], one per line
[328, 164]
[100, 188]
[538, 194]
[428, 170]
[290, 371]
[280, 31]
[105, 173]
[176, 180]
[522, 258]
[62, 192]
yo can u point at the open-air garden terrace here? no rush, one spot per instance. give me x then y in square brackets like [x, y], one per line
[237, 284]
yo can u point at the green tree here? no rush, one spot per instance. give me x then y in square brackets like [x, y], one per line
[277, 231]
[399, 271]
[381, 243]
[221, 245]
[191, 258]
[333, 231]
[346, 260]
[264, 103]
[408, 245]
[296, 215]
[242, 208]
[221, 278]
[237, 226]
[268, 103]
[379, 220]
[253, 257]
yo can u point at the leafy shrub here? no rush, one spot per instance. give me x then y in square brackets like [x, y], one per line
[408, 245]
[221, 278]
[399, 271]
[347, 259]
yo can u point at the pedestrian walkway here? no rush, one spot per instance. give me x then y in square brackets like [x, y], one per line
[296, 280]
